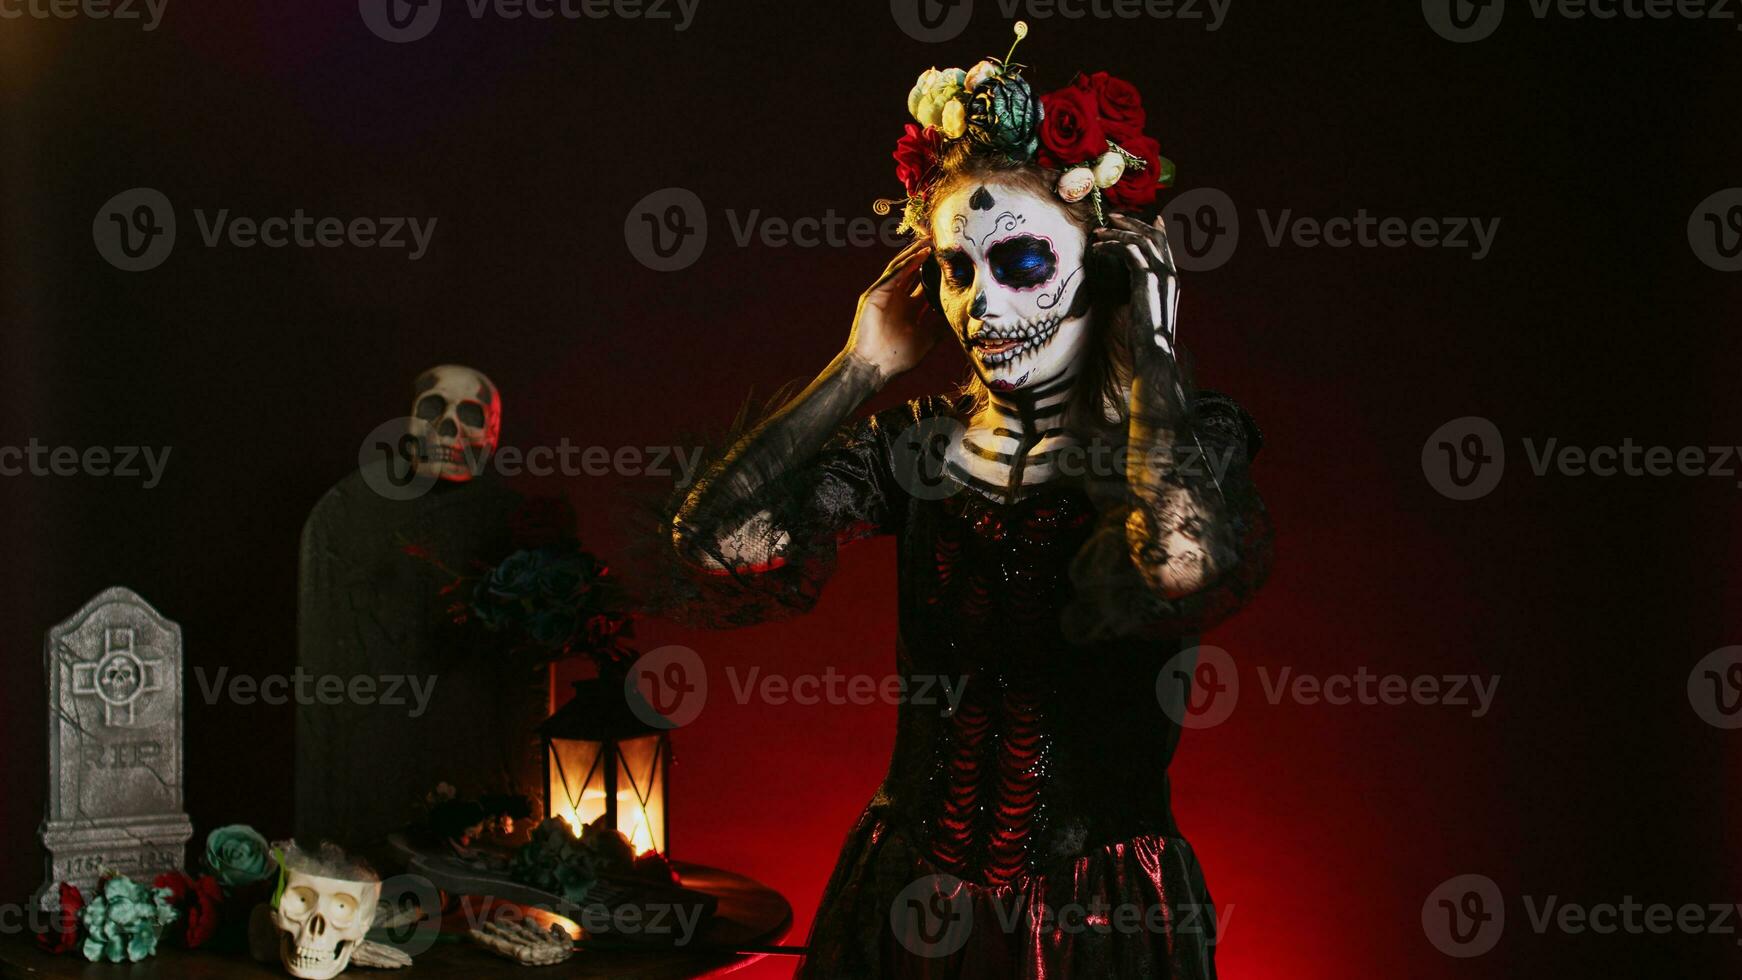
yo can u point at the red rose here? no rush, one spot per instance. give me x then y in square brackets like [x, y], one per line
[62, 934]
[198, 900]
[1070, 132]
[1137, 188]
[1122, 113]
[915, 155]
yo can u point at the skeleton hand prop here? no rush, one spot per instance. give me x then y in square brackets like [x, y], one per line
[525, 943]
[379, 956]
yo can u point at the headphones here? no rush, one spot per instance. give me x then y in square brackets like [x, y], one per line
[931, 277]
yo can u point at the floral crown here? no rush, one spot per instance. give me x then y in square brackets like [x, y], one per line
[1091, 131]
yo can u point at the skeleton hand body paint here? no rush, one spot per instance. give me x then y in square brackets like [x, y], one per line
[1012, 287]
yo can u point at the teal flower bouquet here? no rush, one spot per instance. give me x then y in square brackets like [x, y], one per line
[125, 920]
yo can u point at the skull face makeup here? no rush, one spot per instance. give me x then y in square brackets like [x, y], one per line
[1011, 264]
[321, 920]
[456, 420]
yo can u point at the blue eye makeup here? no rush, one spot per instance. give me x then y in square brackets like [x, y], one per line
[1022, 262]
[958, 268]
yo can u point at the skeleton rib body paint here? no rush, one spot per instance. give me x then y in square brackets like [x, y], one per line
[1012, 290]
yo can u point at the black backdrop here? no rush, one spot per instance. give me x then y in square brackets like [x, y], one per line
[1592, 141]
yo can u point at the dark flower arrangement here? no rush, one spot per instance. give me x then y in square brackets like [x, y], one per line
[562, 600]
[558, 862]
[446, 818]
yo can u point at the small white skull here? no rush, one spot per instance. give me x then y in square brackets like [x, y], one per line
[321, 921]
[119, 678]
[456, 421]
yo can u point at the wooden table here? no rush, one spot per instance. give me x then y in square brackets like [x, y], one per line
[750, 914]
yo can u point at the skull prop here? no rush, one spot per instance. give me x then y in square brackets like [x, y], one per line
[327, 906]
[456, 421]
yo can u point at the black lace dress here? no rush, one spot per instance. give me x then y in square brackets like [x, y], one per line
[1027, 833]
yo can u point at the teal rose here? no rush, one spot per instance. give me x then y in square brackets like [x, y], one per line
[237, 855]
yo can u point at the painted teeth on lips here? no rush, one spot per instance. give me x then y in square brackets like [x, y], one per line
[1007, 345]
[991, 336]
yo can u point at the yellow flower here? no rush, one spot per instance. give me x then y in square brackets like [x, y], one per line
[954, 120]
[934, 90]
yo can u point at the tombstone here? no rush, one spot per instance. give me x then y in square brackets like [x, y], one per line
[366, 607]
[114, 743]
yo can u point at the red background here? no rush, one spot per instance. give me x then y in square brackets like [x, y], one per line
[1322, 828]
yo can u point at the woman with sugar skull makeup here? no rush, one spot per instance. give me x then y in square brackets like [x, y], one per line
[1063, 525]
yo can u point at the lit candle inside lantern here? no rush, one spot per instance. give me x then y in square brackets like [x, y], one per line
[604, 760]
[630, 811]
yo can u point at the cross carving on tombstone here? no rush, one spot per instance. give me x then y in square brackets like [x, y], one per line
[119, 678]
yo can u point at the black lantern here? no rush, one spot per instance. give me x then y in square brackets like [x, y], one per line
[602, 758]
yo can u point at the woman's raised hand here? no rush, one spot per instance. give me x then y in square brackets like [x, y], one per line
[891, 328]
[1143, 250]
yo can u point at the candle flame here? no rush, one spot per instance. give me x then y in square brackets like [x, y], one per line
[640, 832]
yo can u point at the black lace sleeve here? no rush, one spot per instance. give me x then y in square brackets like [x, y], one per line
[756, 538]
[1183, 540]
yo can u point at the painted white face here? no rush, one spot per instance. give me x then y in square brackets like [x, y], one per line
[1011, 266]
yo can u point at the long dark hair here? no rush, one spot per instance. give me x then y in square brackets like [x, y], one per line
[1104, 379]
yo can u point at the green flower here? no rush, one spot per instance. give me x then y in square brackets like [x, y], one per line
[124, 922]
[1005, 116]
[237, 855]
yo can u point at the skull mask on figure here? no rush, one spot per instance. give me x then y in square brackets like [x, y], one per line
[327, 906]
[1012, 281]
[456, 421]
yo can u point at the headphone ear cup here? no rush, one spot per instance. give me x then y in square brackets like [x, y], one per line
[931, 277]
[1109, 281]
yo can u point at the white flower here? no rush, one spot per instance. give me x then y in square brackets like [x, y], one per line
[981, 73]
[1109, 169]
[1076, 183]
